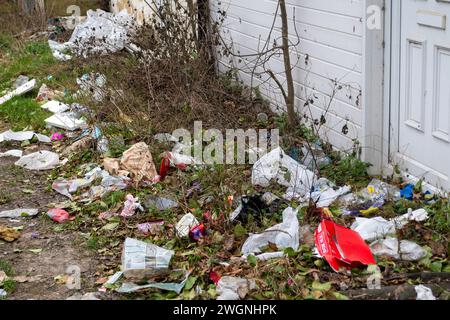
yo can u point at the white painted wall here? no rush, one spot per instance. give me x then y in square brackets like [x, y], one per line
[332, 34]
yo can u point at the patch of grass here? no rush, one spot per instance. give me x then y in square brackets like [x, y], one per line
[9, 285]
[440, 216]
[35, 61]
[23, 112]
[6, 267]
[348, 170]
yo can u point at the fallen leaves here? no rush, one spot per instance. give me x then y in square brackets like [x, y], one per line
[9, 234]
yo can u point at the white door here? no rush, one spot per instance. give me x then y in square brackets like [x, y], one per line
[423, 140]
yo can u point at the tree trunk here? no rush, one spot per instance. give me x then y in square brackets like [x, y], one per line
[290, 97]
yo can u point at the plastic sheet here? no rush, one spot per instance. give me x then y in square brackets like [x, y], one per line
[283, 235]
[27, 87]
[23, 136]
[128, 287]
[18, 213]
[378, 228]
[406, 251]
[12, 153]
[100, 33]
[41, 160]
[424, 293]
[233, 288]
[141, 259]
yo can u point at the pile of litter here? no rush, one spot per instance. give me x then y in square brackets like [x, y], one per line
[102, 32]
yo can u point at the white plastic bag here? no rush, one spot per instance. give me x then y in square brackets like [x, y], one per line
[378, 228]
[424, 293]
[18, 213]
[233, 288]
[41, 160]
[277, 165]
[407, 251]
[283, 235]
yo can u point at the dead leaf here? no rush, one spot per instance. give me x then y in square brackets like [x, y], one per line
[9, 234]
[3, 276]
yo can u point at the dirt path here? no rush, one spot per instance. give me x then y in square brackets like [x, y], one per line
[20, 188]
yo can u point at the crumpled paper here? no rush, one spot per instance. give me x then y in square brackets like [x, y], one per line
[139, 162]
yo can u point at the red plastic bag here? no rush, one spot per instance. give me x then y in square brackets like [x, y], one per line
[215, 277]
[59, 215]
[342, 247]
[164, 168]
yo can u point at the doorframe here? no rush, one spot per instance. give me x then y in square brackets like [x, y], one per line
[391, 95]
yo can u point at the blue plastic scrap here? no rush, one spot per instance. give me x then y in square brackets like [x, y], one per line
[407, 192]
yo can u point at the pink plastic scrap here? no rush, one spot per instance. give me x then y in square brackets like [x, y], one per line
[130, 206]
[59, 215]
[150, 227]
[57, 136]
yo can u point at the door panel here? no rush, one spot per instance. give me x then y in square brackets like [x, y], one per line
[423, 147]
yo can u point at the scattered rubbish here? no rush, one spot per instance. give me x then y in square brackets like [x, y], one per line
[9, 234]
[378, 227]
[18, 213]
[78, 146]
[103, 145]
[102, 32]
[91, 85]
[184, 226]
[131, 205]
[283, 235]
[47, 94]
[255, 206]
[314, 157]
[197, 232]
[424, 293]
[181, 161]
[262, 117]
[35, 235]
[141, 259]
[278, 166]
[196, 187]
[139, 162]
[41, 160]
[369, 199]
[128, 287]
[160, 203]
[12, 153]
[407, 192]
[151, 228]
[55, 106]
[57, 136]
[407, 251]
[233, 288]
[325, 193]
[23, 136]
[27, 87]
[214, 277]
[108, 184]
[342, 247]
[3, 293]
[65, 120]
[20, 81]
[59, 215]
